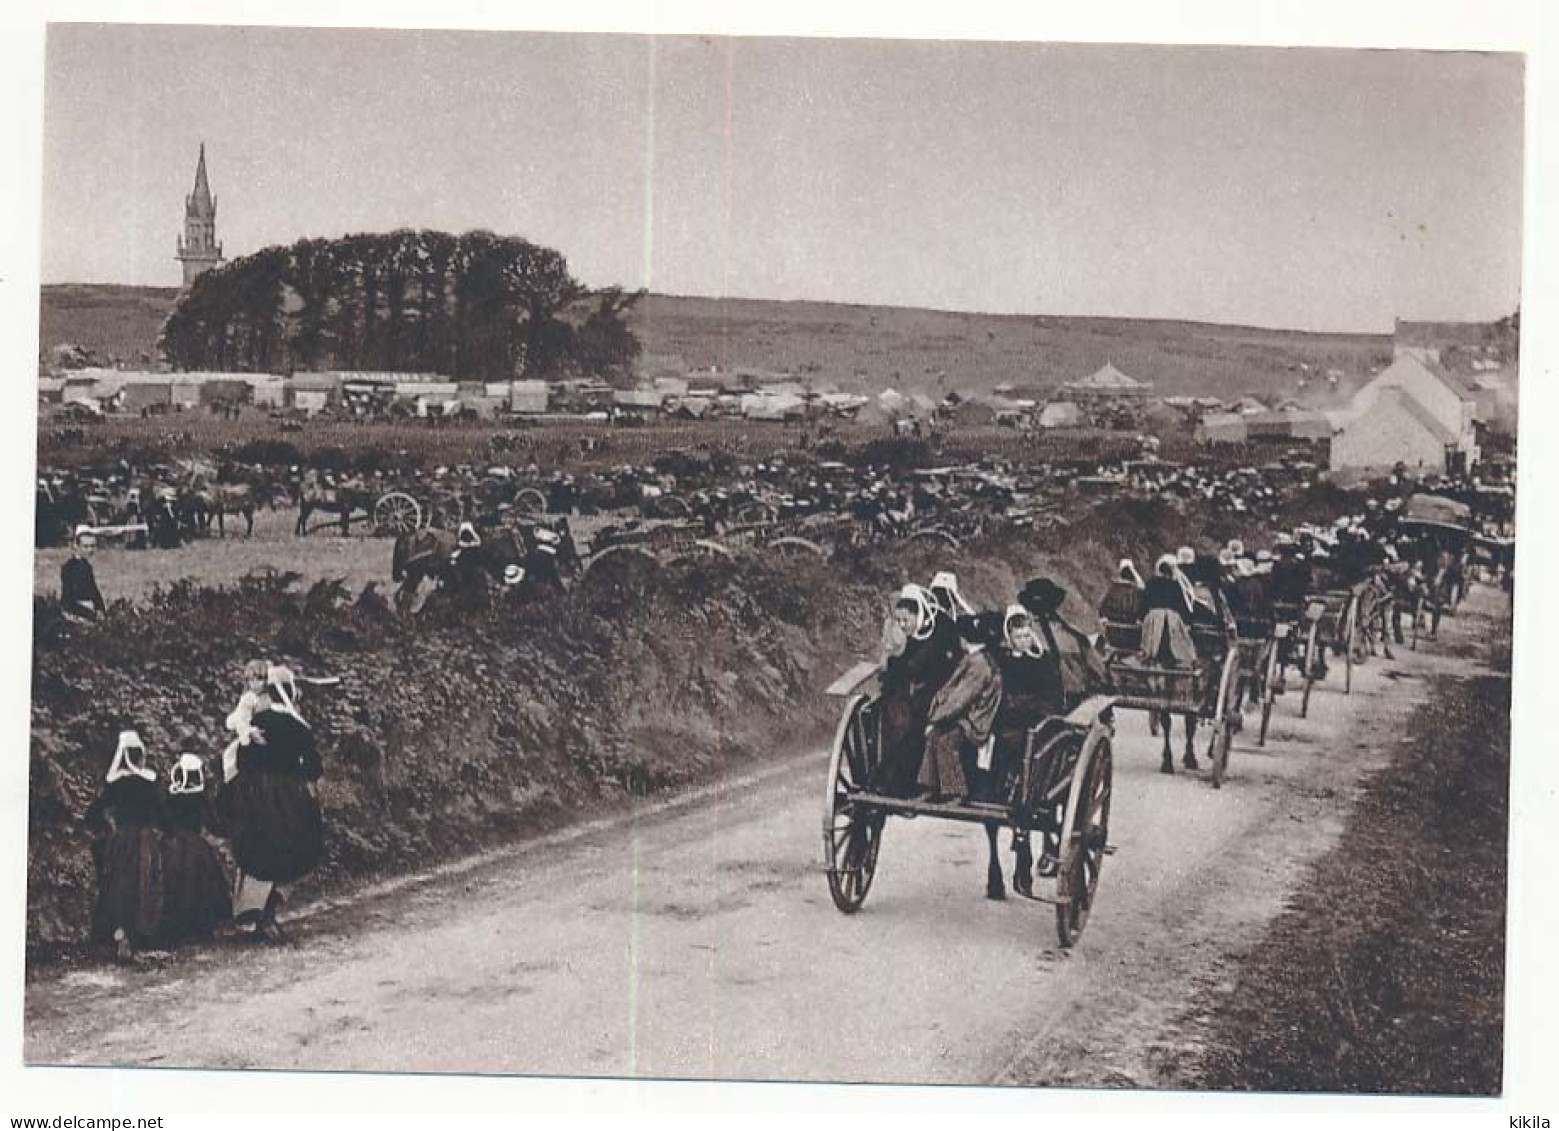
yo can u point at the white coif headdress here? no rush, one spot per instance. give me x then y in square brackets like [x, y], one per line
[925, 610]
[285, 684]
[1016, 613]
[189, 775]
[948, 581]
[124, 764]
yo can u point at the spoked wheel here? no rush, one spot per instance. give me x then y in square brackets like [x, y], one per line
[528, 500]
[852, 834]
[1350, 644]
[1224, 718]
[397, 513]
[1310, 656]
[1268, 690]
[1084, 838]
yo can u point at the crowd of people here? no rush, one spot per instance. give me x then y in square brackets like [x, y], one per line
[961, 688]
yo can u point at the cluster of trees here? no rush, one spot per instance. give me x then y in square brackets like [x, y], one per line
[475, 307]
[1505, 336]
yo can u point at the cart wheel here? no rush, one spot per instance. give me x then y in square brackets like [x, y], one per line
[1223, 720]
[396, 513]
[852, 835]
[1084, 836]
[1268, 692]
[793, 546]
[1310, 647]
[528, 500]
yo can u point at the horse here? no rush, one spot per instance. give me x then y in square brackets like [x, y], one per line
[206, 501]
[59, 511]
[420, 555]
[343, 502]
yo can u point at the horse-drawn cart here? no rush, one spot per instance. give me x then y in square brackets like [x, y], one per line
[1208, 690]
[1061, 790]
[1259, 641]
[1328, 620]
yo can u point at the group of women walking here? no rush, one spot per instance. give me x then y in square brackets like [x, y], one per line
[161, 878]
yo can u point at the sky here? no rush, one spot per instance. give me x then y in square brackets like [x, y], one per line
[1310, 188]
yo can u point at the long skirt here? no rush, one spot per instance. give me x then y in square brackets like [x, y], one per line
[250, 896]
[948, 765]
[902, 730]
[274, 823]
[129, 885]
[1166, 639]
[195, 888]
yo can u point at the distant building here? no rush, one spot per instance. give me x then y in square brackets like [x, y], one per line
[1395, 428]
[1449, 399]
[198, 249]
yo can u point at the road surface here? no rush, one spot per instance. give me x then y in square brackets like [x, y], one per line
[697, 938]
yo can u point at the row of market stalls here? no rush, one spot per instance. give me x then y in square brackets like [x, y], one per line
[350, 393]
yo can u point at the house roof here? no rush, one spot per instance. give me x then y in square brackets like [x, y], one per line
[1394, 398]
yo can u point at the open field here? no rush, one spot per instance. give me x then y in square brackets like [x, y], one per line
[555, 445]
[873, 348]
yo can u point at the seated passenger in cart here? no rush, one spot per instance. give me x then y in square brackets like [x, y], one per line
[1122, 602]
[921, 651]
[962, 717]
[1032, 691]
[1082, 668]
[1167, 641]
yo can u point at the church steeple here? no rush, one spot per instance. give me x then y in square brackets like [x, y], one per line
[200, 202]
[198, 249]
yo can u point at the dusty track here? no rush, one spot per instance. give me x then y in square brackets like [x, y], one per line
[698, 940]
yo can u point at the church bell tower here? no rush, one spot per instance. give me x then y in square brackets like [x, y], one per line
[198, 249]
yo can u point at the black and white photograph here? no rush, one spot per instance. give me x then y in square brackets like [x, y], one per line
[773, 558]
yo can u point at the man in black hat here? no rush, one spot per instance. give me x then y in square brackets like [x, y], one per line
[1082, 669]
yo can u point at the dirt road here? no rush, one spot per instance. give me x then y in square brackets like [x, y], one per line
[698, 939]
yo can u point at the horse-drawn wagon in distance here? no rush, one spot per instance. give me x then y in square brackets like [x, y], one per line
[1211, 689]
[1060, 790]
[387, 511]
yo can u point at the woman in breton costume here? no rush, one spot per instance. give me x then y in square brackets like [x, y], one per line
[197, 897]
[962, 715]
[949, 601]
[920, 653]
[269, 810]
[1031, 692]
[1166, 640]
[128, 817]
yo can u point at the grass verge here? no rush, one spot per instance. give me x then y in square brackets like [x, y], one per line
[1386, 974]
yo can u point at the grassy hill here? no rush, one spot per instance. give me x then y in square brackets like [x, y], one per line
[873, 347]
[110, 321]
[869, 347]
